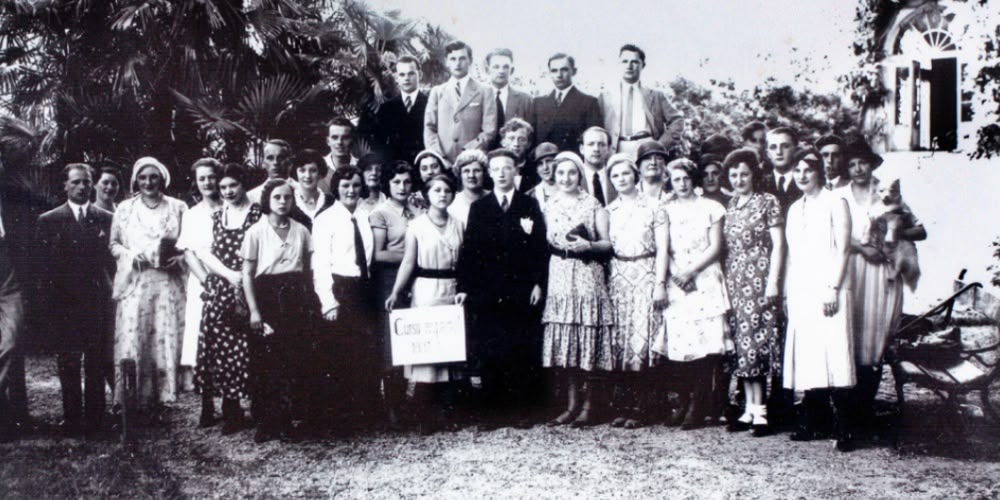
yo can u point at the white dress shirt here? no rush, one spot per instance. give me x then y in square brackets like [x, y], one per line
[412, 96]
[638, 110]
[503, 93]
[76, 209]
[783, 180]
[464, 82]
[333, 247]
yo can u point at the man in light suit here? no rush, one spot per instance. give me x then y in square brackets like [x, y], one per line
[562, 116]
[633, 112]
[74, 275]
[510, 103]
[459, 116]
[502, 266]
[399, 122]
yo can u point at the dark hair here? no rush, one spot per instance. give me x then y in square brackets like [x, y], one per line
[346, 174]
[407, 60]
[628, 47]
[395, 168]
[211, 163]
[786, 131]
[505, 52]
[305, 157]
[369, 160]
[78, 166]
[746, 156]
[500, 153]
[812, 158]
[444, 177]
[110, 170]
[560, 55]
[235, 171]
[457, 45]
[339, 121]
[831, 139]
[751, 128]
[269, 187]
[515, 124]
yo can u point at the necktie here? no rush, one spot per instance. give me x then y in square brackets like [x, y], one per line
[598, 192]
[781, 184]
[627, 119]
[79, 215]
[359, 251]
[559, 98]
[458, 89]
[505, 204]
[408, 103]
[501, 119]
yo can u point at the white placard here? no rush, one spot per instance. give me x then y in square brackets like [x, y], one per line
[427, 335]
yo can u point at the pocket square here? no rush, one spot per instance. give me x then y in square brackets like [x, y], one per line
[473, 104]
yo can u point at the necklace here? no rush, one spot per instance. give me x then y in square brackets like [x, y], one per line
[436, 223]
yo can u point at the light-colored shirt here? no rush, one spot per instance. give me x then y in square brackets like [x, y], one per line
[76, 209]
[333, 247]
[503, 93]
[263, 245]
[783, 181]
[331, 165]
[393, 218]
[588, 182]
[412, 96]
[464, 82]
[561, 94]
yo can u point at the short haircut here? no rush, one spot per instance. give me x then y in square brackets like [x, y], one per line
[560, 55]
[502, 153]
[340, 121]
[623, 159]
[831, 139]
[469, 157]
[399, 167]
[77, 166]
[628, 47]
[786, 131]
[344, 174]
[515, 124]
[369, 160]
[111, 170]
[444, 177]
[305, 157]
[686, 165]
[236, 172]
[811, 157]
[746, 156]
[457, 45]
[407, 60]
[595, 128]
[265, 194]
[211, 163]
[280, 143]
[752, 128]
[502, 51]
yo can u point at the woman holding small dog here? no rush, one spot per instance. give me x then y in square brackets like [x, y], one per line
[877, 293]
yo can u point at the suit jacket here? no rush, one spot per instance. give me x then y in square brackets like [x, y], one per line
[659, 113]
[452, 125]
[792, 192]
[73, 274]
[499, 261]
[518, 106]
[397, 132]
[562, 125]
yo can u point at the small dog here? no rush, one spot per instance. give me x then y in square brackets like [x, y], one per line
[889, 216]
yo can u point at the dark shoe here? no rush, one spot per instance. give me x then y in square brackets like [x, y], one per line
[263, 435]
[633, 423]
[523, 423]
[563, 419]
[695, 418]
[584, 419]
[736, 425]
[844, 443]
[8, 432]
[71, 428]
[802, 434]
[619, 422]
[760, 430]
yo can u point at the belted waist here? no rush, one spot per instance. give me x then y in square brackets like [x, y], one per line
[438, 274]
[635, 137]
[634, 258]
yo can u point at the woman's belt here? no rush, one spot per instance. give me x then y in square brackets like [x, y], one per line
[437, 274]
[566, 254]
[644, 256]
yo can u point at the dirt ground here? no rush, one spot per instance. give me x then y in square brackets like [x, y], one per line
[931, 454]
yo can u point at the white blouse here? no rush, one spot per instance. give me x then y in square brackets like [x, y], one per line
[333, 246]
[263, 245]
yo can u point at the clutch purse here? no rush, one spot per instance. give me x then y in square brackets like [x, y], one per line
[579, 231]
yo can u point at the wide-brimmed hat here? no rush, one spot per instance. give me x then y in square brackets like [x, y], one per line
[545, 150]
[859, 148]
[651, 148]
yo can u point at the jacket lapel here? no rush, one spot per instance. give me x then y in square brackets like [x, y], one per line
[470, 92]
[647, 105]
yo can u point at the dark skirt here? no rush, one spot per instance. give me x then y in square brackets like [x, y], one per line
[383, 280]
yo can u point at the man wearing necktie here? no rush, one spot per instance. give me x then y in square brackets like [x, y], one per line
[633, 112]
[594, 151]
[510, 102]
[73, 273]
[782, 145]
[398, 128]
[561, 116]
[459, 115]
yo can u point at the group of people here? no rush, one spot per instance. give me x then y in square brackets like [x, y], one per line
[609, 265]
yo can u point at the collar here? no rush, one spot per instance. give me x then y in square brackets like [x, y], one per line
[625, 85]
[565, 90]
[503, 92]
[509, 194]
[590, 170]
[76, 208]
[464, 81]
[411, 95]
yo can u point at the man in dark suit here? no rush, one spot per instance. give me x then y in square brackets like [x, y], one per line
[510, 103]
[516, 137]
[399, 122]
[74, 274]
[502, 266]
[562, 116]
[782, 146]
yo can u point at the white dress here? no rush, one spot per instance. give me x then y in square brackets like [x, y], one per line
[437, 249]
[196, 234]
[818, 352]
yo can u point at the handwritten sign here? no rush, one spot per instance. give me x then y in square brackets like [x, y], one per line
[427, 335]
